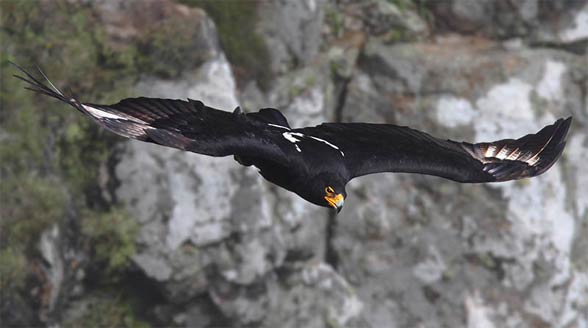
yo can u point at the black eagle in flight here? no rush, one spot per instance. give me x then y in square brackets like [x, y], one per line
[317, 162]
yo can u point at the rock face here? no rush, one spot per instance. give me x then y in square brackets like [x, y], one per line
[537, 21]
[501, 254]
[221, 247]
[210, 226]
[411, 250]
[292, 31]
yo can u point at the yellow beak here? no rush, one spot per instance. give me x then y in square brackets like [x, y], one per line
[335, 201]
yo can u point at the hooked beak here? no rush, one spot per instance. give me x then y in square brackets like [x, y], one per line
[335, 201]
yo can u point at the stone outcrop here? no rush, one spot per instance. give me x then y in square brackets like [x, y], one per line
[219, 246]
[411, 250]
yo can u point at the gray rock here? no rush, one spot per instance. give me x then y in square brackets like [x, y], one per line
[50, 248]
[205, 219]
[381, 18]
[185, 201]
[303, 295]
[304, 96]
[229, 249]
[292, 31]
[188, 33]
[425, 251]
[543, 22]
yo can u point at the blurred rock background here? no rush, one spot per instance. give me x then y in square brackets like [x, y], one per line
[96, 230]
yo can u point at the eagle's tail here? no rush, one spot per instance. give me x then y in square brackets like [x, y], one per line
[115, 121]
[528, 156]
[40, 87]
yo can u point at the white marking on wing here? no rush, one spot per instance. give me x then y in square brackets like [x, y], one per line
[514, 155]
[533, 160]
[97, 113]
[490, 151]
[279, 126]
[502, 153]
[291, 136]
[100, 113]
[328, 143]
[136, 130]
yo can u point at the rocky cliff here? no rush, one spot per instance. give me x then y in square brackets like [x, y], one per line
[101, 231]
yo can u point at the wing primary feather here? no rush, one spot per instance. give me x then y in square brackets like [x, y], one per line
[528, 156]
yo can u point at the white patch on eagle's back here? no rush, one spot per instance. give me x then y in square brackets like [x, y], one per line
[329, 144]
[279, 126]
[291, 136]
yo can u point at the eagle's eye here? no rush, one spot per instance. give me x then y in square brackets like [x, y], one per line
[329, 190]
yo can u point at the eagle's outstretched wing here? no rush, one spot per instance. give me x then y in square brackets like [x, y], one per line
[374, 148]
[363, 148]
[187, 125]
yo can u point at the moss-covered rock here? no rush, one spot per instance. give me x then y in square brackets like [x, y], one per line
[244, 47]
[52, 158]
[105, 310]
[111, 236]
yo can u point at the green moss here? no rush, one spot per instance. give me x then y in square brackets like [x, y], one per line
[335, 19]
[49, 150]
[172, 47]
[37, 158]
[244, 48]
[12, 266]
[112, 238]
[51, 155]
[397, 35]
[301, 82]
[29, 206]
[403, 5]
[106, 311]
[81, 151]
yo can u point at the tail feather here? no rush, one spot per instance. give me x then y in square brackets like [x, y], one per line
[113, 120]
[528, 156]
[39, 87]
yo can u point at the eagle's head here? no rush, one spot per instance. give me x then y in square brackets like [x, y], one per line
[325, 190]
[334, 197]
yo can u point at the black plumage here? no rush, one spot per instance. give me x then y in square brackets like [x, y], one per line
[317, 162]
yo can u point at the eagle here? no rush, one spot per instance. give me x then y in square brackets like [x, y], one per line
[316, 162]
